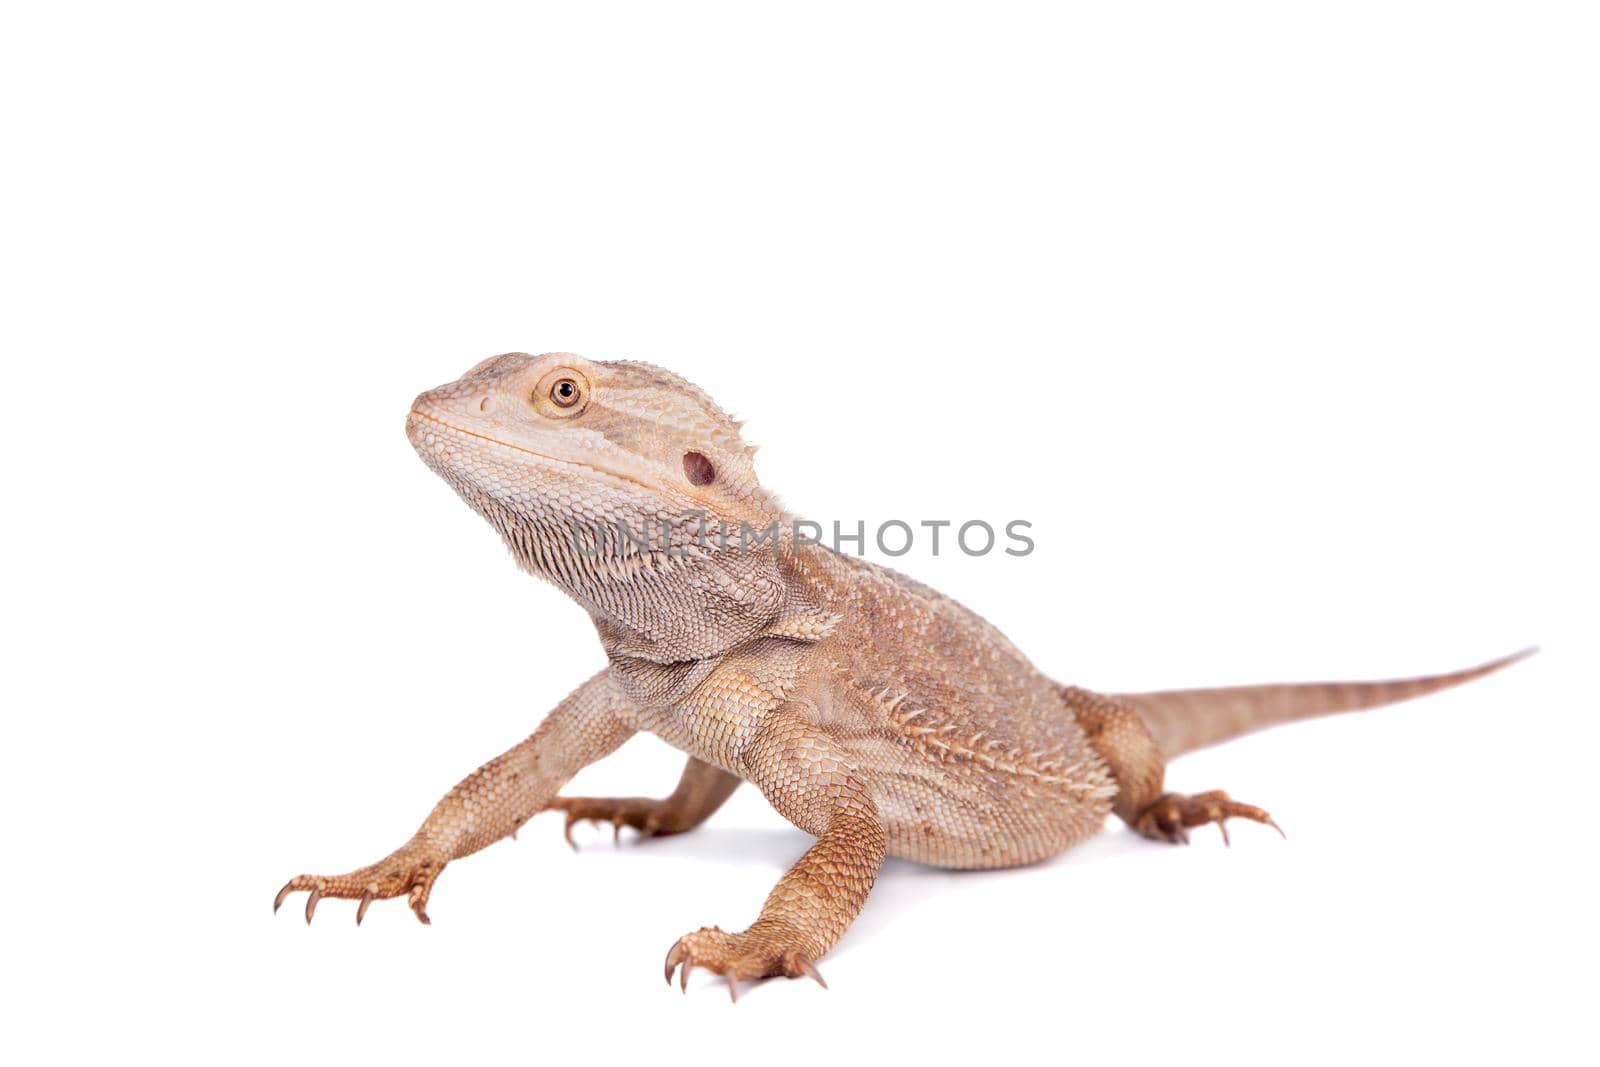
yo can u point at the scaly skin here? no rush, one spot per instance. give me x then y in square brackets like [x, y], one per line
[872, 712]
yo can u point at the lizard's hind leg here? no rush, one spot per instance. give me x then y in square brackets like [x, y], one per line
[700, 792]
[1123, 741]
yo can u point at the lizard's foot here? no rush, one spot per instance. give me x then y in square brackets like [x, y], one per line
[645, 815]
[408, 870]
[1170, 816]
[755, 953]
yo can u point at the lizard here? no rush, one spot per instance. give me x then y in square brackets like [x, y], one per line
[875, 714]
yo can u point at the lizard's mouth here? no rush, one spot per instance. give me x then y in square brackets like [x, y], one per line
[422, 429]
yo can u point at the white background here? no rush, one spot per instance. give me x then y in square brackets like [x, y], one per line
[1276, 324]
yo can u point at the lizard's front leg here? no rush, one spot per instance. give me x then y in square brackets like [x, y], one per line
[812, 783]
[701, 791]
[487, 805]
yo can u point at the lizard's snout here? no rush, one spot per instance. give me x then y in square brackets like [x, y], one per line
[456, 404]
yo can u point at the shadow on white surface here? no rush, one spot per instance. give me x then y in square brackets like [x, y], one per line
[901, 885]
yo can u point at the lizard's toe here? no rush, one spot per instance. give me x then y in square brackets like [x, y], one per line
[403, 873]
[1171, 816]
[641, 813]
[750, 954]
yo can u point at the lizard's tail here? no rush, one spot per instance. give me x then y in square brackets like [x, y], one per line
[1182, 720]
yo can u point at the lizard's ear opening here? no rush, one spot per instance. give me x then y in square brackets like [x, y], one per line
[698, 469]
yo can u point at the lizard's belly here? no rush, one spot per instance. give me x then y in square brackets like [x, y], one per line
[965, 815]
[948, 794]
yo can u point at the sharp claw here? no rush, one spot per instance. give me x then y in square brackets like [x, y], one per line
[1222, 824]
[733, 986]
[311, 903]
[1276, 827]
[567, 830]
[675, 956]
[809, 968]
[361, 909]
[419, 902]
[616, 832]
[683, 975]
[277, 902]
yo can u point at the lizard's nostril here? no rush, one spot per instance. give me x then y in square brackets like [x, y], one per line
[483, 405]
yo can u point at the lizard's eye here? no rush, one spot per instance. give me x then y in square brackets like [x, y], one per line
[565, 393]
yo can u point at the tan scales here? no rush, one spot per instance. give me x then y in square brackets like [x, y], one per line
[871, 711]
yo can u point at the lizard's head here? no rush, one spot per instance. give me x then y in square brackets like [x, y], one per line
[596, 475]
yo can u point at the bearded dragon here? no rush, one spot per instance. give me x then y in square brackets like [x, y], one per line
[872, 712]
